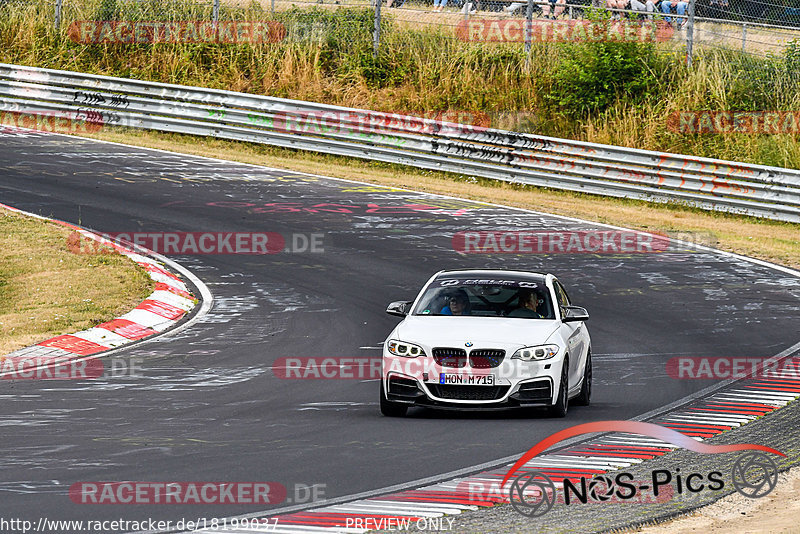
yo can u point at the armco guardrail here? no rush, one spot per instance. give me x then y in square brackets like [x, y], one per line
[756, 190]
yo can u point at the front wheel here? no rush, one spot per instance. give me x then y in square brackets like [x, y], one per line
[389, 408]
[559, 409]
[586, 385]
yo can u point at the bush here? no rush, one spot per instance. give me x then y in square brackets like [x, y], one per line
[590, 77]
[384, 71]
[791, 56]
[338, 30]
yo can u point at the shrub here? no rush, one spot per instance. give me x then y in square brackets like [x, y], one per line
[590, 77]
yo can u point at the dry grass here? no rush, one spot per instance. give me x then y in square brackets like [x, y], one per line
[46, 290]
[768, 240]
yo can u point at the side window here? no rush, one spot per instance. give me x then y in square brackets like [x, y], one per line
[566, 295]
[561, 295]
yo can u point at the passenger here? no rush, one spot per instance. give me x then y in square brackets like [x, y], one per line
[458, 304]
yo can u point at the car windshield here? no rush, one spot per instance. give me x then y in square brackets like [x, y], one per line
[523, 299]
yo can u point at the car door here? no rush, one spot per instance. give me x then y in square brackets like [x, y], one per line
[574, 333]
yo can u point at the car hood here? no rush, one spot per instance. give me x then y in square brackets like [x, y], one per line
[481, 331]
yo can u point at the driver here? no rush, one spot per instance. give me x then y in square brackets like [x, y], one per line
[458, 304]
[528, 305]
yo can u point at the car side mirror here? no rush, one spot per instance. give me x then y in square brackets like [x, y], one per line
[574, 313]
[399, 308]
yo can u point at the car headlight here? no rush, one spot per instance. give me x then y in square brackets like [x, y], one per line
[401, 348]
[539, 352]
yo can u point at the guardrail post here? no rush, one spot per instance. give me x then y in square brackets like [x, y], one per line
[376, 35]
[215, 14]
[528, 29]
[58, 14]
[744, 37]
[690, 34]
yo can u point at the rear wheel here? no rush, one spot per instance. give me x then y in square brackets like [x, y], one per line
[559, 409]
[586, 385]
[389, 408]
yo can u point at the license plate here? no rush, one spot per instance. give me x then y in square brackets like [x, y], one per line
[466, 380]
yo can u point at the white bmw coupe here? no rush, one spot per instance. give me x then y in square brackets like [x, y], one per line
[476, 339]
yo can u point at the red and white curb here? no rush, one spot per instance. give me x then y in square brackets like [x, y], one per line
[703, 418]
[166, 306]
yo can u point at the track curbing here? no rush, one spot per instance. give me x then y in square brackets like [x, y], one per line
[169, 304]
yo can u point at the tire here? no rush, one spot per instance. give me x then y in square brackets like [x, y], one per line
[585, 396]
[389, 408]
[559, 409]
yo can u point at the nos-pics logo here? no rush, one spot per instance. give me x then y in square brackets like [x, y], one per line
[533, 493]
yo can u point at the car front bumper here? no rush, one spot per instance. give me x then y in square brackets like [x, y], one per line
[528, 393]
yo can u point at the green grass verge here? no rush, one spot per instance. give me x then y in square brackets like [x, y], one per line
[47, 290]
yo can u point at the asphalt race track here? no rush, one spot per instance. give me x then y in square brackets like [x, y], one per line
[207, 405]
